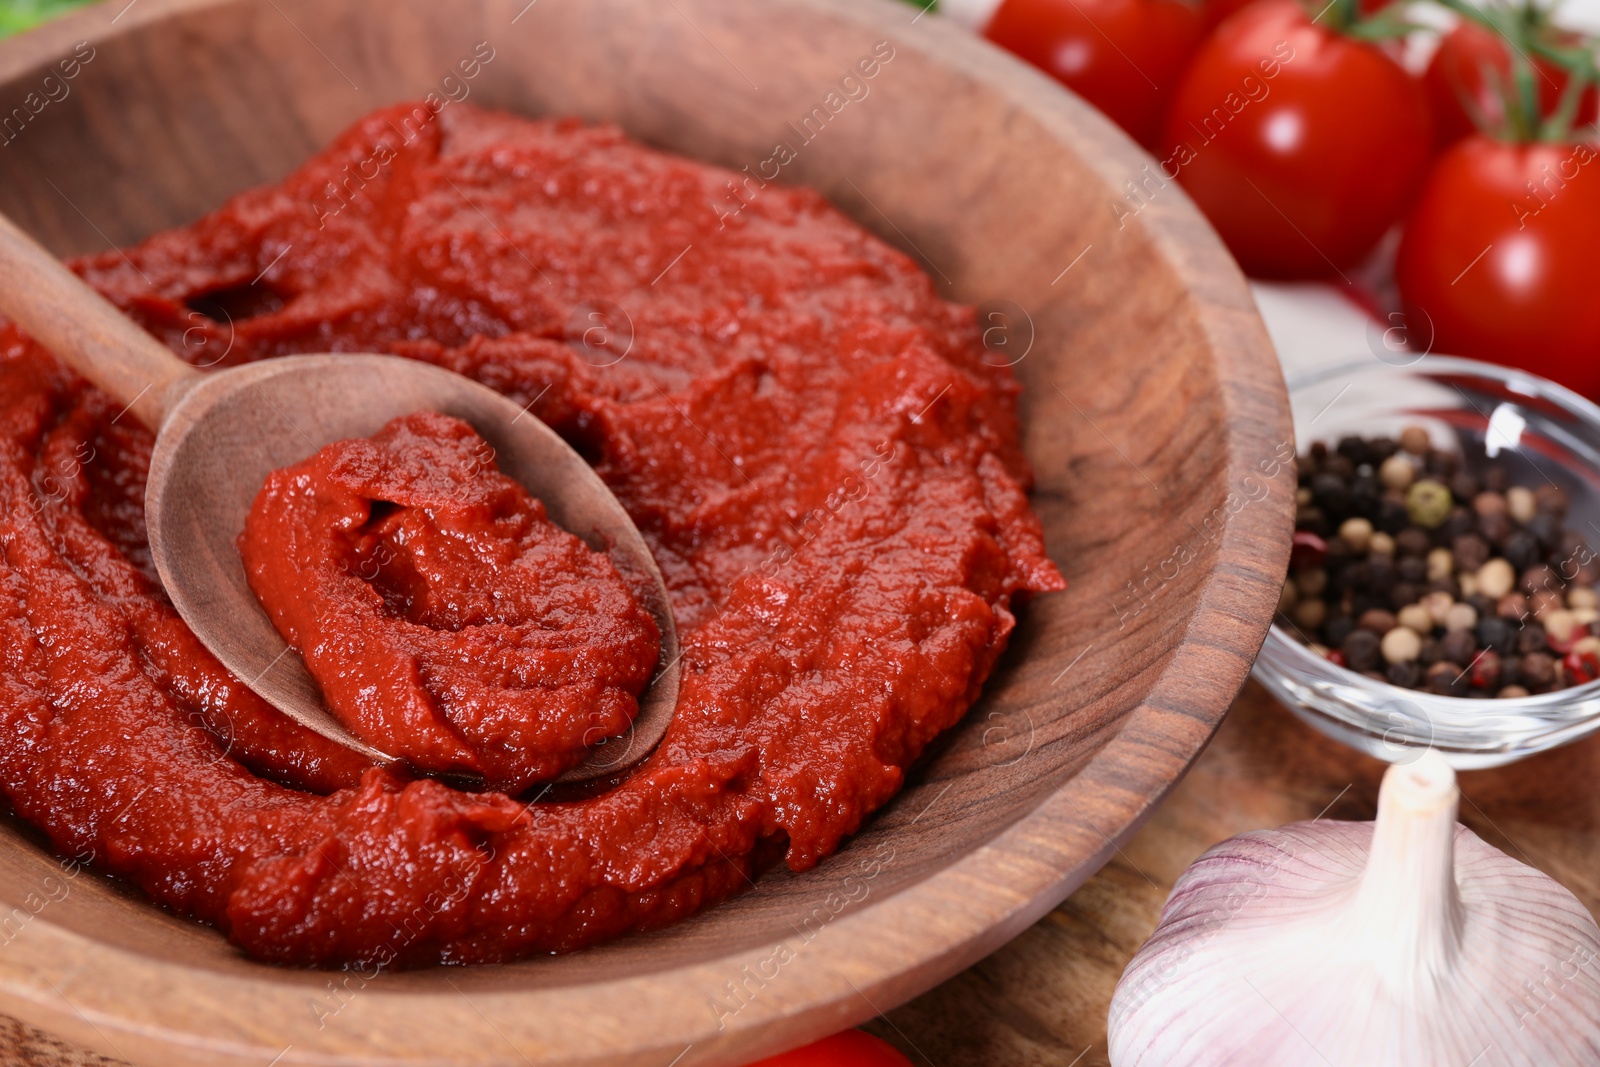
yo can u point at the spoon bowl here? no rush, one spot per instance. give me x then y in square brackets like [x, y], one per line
[220, 434]
[231, 430]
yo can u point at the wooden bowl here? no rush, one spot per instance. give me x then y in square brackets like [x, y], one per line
[1152, 403]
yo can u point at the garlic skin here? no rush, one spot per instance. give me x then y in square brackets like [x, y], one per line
[1408, 942]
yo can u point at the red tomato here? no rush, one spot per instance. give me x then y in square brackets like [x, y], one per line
[1301, 145]
[1123, 56]
[852, 1048]
[1215, 11]
[1504, 274]
[1455, 78]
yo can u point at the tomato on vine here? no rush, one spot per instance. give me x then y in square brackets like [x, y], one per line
[1303, 141]
[1498, 258]
[1461, 78]
[1123, 56]
[850, 1048]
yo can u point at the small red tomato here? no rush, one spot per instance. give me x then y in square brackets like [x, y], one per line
[1302, 146]
[851, 1048]
[1123, 56]
[1215, 11]
[1455, 83]
[1498, 258]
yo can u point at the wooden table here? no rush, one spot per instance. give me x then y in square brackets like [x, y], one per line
[1041, 1001]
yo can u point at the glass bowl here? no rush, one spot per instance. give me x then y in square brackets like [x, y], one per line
[1541, 432]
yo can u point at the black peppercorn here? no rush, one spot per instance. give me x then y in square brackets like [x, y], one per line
[1459, 646]
[1412, 541]
[1460, 521]
[1338, 466]
[1405, 593]
[1551, 500]
[1332, 493]
[1497, 479]
[1470, 551]
[1336, 553]
[1531, 638]
[1412, 569]
[1405, 675]
[1448, 679]
[1431, 651]
[1355, 449]
[1496, 634]
[1540, 577]
[1365, 496]
[1441, 464]
[1464, 486]
[1495, 528]
[1392, 516]
[1545, 530]
[1364, 601]
[1336, 629]
[1538, 670]
[1521, 549]
[1381, 448]
[1377, 620]
[1361, 650]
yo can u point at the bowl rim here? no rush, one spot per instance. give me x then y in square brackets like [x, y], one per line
[913, 938]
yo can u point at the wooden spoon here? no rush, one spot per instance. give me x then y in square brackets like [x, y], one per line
[221, 433]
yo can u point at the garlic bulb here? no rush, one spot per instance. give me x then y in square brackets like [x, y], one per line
[1408, 942]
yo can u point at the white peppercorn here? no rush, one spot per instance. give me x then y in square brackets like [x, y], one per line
[1460, 617]
[1560, 625]
[1438, 605]
[1416, 617]
[1496, 578]
[1397, 472]
[1522, 504]
[1401, 645]
[1441, 564]
[1357, 533]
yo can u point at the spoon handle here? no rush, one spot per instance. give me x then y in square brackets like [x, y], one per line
[80, 326]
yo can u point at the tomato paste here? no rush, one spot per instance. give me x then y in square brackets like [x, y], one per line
[814, 445]
[447, 620]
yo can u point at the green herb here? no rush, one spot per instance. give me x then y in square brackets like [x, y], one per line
[19, 15]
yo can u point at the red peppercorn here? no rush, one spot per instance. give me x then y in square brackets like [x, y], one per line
[1581, 667]
[1579, 632]
[1308, 551]
[1336, 657]
[1486, 671]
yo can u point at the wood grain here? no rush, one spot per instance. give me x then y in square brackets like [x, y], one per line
[1041, 1000]
[57, 309]
[1153, 410]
